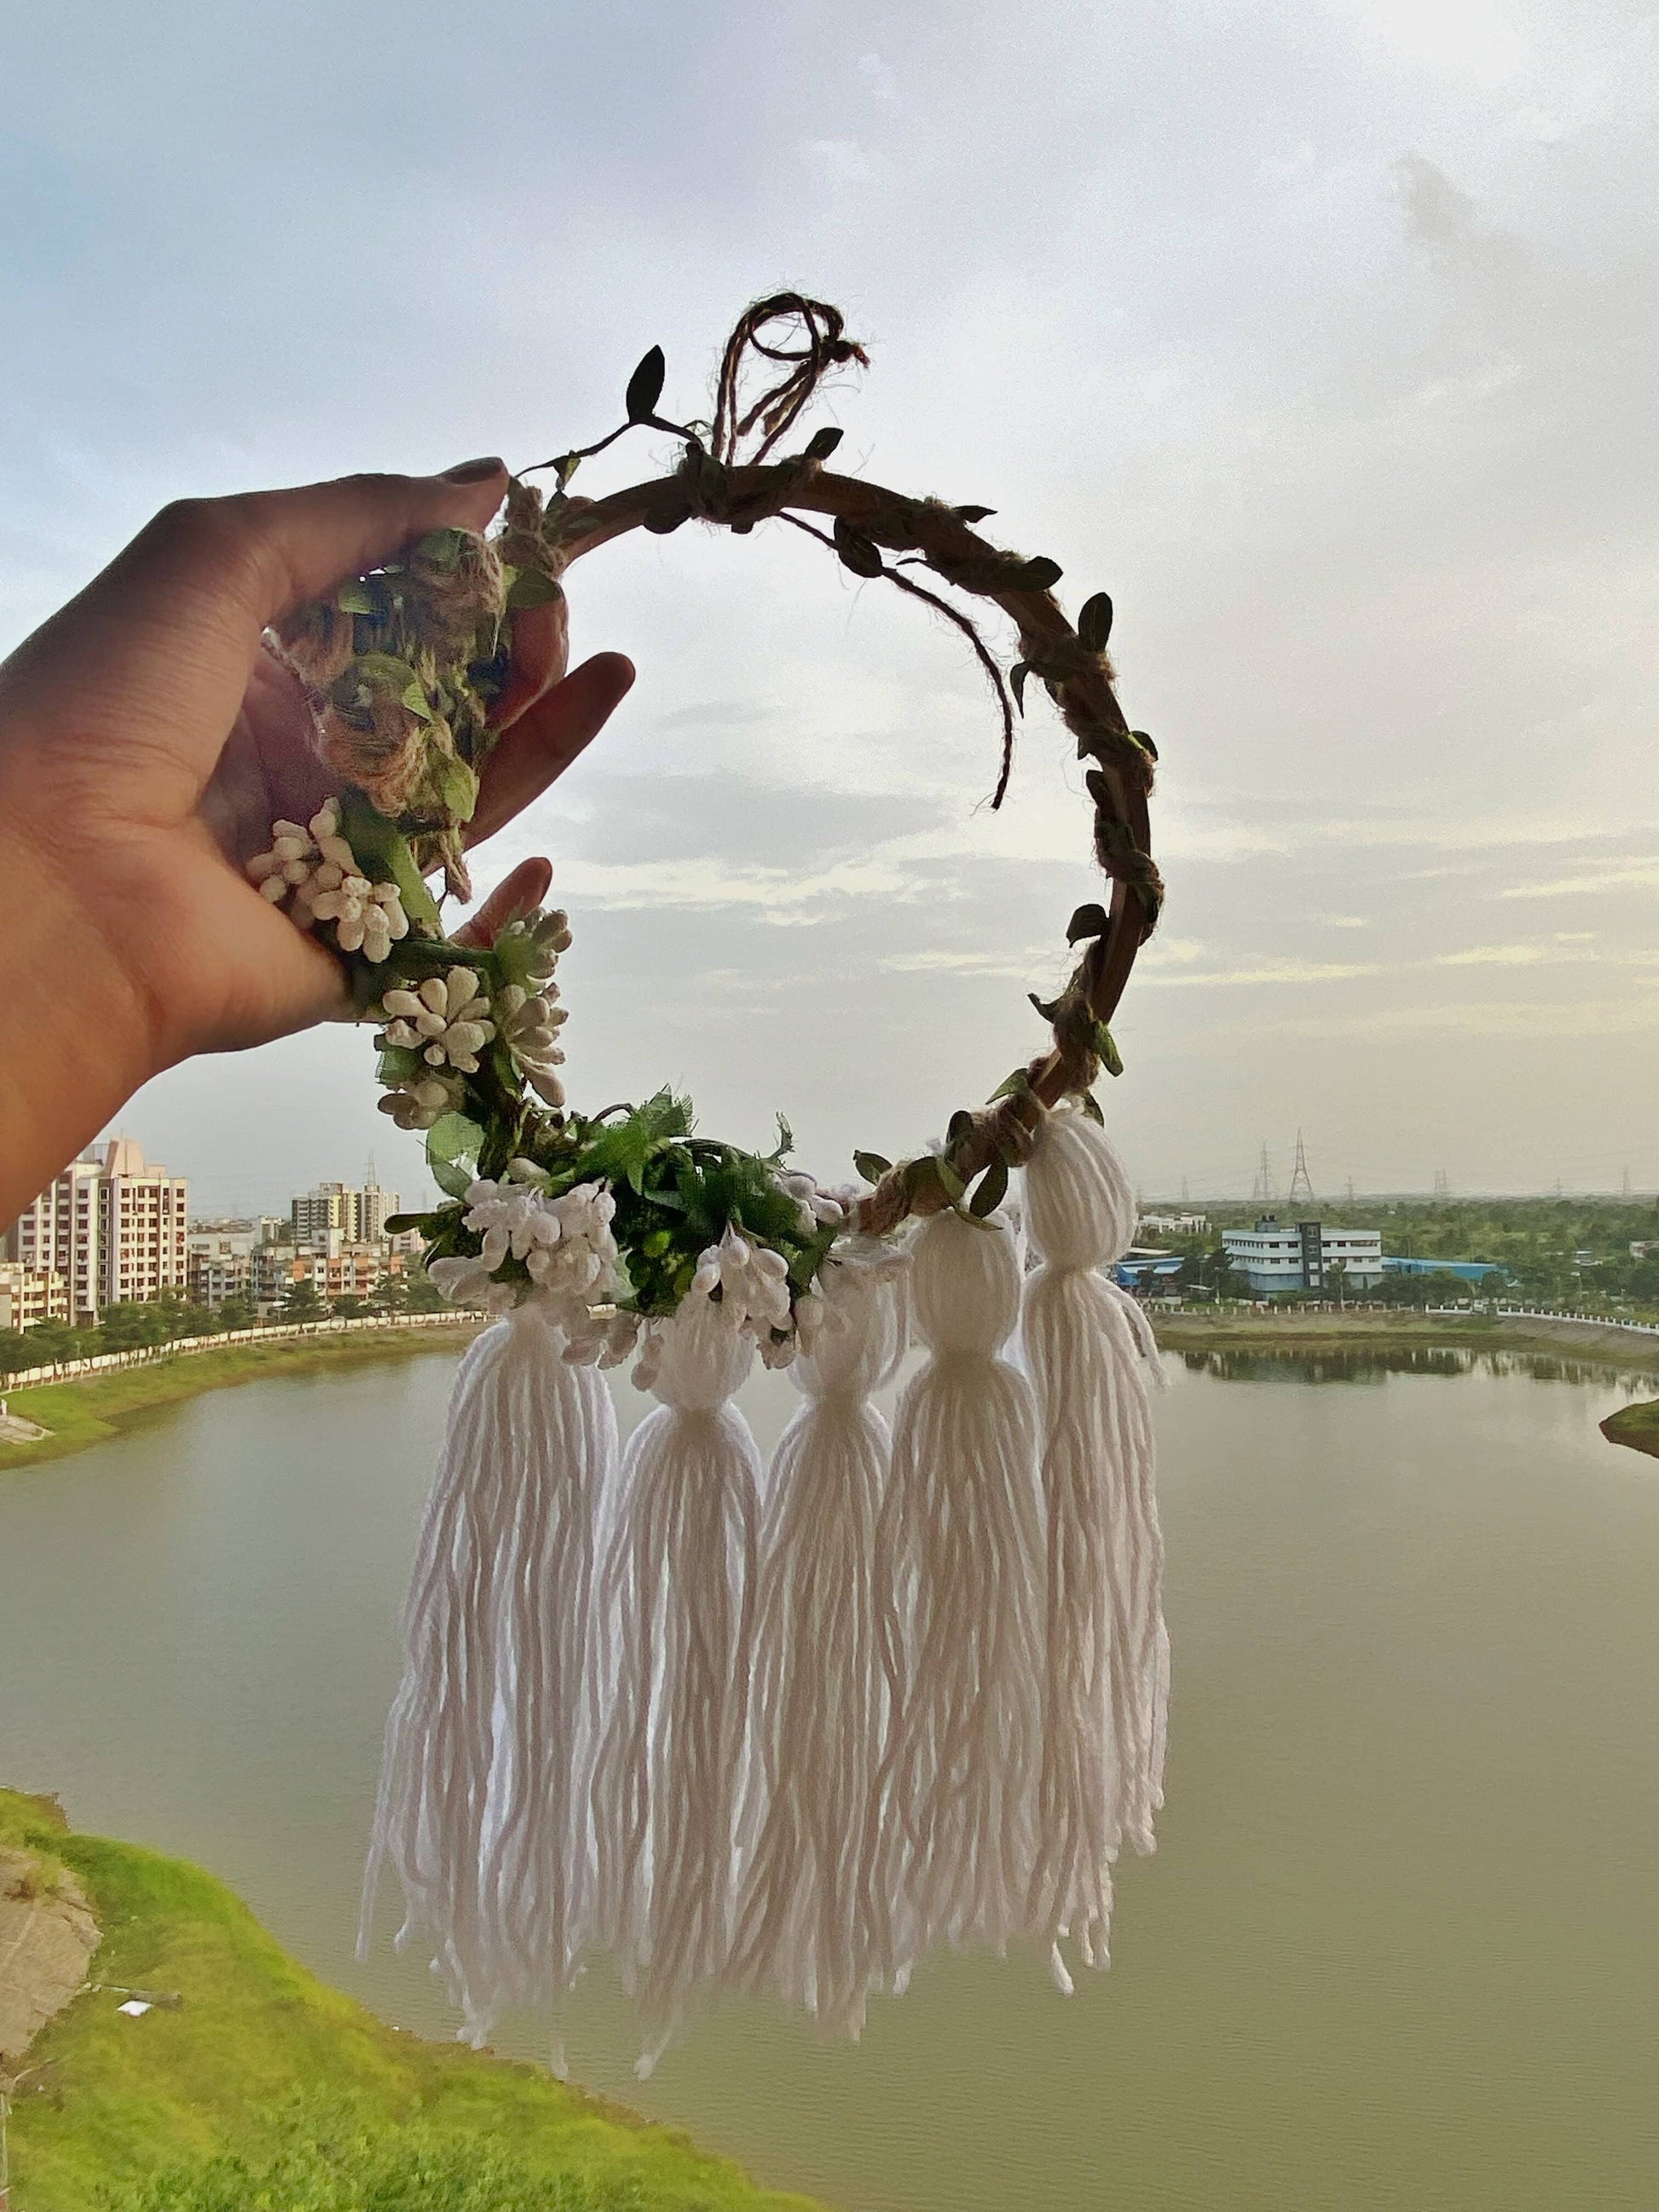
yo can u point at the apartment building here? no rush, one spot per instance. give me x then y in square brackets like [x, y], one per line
[29, 1296]
[334, 1266]
[112, 1224]
[358, 1214]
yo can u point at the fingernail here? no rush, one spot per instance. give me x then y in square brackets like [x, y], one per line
[491, 465]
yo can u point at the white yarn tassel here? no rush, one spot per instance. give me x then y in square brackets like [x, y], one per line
[1090, 1351]
[677, 1600]
[959, 1554]
[482, 1806]
[809, 1927]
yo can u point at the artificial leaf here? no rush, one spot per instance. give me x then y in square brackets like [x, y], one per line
[1144, 742]
[455, 1180]
[949, 1180]
[457, 788]
[441, 549]
[859, 553]
[531, 587]
[1094, 622]
[972, 513]
[1012, 1085]
[454, 1137]
[871, 1165]
[991, 1189]
[1108, 1053]
[823, 443]
[1041, 574]
[1048, 1008]
[667, 514]
[1087, 922]
[644, 387]
[399, 1224]
[357, 598]
[786, 1144]
[1090, 1106]
[398, 1063]
[382, 853]
[414, 698]
[960, 1126]
[1017, 676]
[566, 467]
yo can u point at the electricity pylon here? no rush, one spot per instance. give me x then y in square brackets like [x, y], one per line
[1301, 1181]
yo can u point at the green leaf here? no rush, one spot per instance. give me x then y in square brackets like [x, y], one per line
[1144, 742]
[454, 1137]
[991, 1189]
[949, 1180]
[398, 1063]
[357, 598]
[1109, 1057]
[414, 698]
[383, 854]
[823, 443]
[870, 1166]
[1094, 622]
[859, 553]
[666, 515]
[1017, 676]
[1041, 574]
[1012, 1087]
[457, 786]
[531, 587]
[644, 387]
[1090, 1106]
[972, 513]
[1087, 922]
[566, 467]
[1048, 1008]
[451, 1178]
[786, 1144]
[399, 1224]
[442, 548]
[959, 1128]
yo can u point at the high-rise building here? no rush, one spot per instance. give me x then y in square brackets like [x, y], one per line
[112, 1224]
[358, 1215]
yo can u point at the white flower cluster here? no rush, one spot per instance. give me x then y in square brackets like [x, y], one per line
[818, 1208]
[753, 1282]
[530, 1022]
[446, 1020]
[316, 871]
[565, 1244]
[529, 949]
[420, 1100]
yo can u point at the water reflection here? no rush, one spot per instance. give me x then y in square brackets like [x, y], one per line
[1367, 1364]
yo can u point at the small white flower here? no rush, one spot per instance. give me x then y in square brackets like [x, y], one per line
[367, 917]
[298, 857]
[530, 1022]
[423, 1100]
[752, 1279]
[819, 1209]
[446, 1020]
[531, 948]
[465, 1281]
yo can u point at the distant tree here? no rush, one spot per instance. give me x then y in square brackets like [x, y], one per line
[132, 1323]
[349, 1309]
[302, 1303]
[420, 1294]
[16, 1352]
[52, 1340]
[236, 1312]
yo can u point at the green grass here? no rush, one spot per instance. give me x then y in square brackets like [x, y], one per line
[1382, 1332]
[214, 2079]
[95, 1408]
[1636, 1426]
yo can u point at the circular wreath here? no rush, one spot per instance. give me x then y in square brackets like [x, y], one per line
[618, 1215]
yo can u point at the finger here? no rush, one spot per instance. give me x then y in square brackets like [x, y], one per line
[166, 635]
[546, 738]
[541, 646]
[517, 895]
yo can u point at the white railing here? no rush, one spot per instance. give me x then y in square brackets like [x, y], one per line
[143, 1355]
[1378, 1306]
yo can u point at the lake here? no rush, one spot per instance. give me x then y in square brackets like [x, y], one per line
[1400, 1944]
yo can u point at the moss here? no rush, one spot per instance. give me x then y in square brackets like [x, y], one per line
[126, 2098]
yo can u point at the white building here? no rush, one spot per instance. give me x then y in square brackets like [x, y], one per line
[29, 1296]
[1299, 1255]
[112, 1224]
[1174, 1225]
[358, 1215]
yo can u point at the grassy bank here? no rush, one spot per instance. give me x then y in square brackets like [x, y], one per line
[93, 1408]
[1292, 1330]
[1635, 1425]
[127, 2097]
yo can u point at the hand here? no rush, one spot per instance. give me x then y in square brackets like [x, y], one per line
[148, 741]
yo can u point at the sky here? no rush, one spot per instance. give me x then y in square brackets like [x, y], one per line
[1322, 334]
